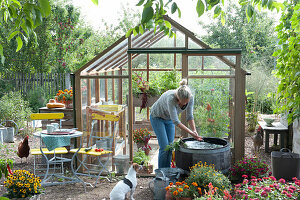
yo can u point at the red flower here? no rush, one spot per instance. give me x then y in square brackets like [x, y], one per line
[208, 107]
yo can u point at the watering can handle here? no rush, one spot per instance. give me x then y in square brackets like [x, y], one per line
[10, 121]
[283, 149]
[151, 188]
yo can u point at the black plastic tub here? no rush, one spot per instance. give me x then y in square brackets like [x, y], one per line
[220, 156]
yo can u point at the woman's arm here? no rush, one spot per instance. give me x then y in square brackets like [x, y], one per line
[192, 133]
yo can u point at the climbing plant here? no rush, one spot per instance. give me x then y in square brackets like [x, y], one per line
[288, 61]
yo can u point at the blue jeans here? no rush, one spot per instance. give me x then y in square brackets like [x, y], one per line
[165, 133]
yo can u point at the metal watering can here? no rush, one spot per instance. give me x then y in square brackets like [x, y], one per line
[160, 182]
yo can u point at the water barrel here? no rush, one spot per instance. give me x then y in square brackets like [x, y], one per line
[219, 156]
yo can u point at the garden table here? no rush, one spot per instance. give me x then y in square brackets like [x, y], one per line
[276, 128]
[59, 138]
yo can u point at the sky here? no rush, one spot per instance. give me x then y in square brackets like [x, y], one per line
[109, 11]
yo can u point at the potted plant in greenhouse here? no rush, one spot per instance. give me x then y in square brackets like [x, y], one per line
[141, 137]
[145, 93]
[141, 158]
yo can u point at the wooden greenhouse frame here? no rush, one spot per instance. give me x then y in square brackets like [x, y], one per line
[109, 65]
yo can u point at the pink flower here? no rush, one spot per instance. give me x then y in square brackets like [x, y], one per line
[292, 187]
[267, 189]
[282, 181]
[294, 179]
[212, 89]
[289, 195]
[290, 190]
[244, 176]
[249, 188]
[253, 183]
[284, 192]
[272, 178]
[238, 185]
[245, 181]
[264, 194]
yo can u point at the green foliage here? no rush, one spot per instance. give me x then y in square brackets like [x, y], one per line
[14, 107]
[256, 38]
[288, 61]
[20, 18]
[203, 174]
[140, 157]
[158, 83]
[211, 108]
[153, 11]
[37, 99]
[6, 151]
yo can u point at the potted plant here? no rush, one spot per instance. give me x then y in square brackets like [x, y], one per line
[248, 167]
[145, 93]
[65, 97]
[179, 191]
[141, 137]
[202, 174]
[141, 158]
[22, 184]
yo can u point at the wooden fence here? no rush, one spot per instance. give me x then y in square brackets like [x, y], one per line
[49, 82]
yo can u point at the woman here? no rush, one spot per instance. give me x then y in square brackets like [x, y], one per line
[164, 116]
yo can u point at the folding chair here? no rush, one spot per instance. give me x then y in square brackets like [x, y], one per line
[102, 158]
[44, 151]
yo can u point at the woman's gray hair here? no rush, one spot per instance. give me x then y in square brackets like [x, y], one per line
[184, 92]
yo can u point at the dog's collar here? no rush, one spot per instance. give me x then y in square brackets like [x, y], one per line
[128, 182]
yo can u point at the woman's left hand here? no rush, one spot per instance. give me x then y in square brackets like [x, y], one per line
[197, 137]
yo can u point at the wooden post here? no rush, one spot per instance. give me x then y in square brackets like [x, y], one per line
[130, 102]
[239, 107]
[113, 87]
[184, 75]
[148, 63]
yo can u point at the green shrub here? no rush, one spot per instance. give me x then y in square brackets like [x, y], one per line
[36, 99]
[14, 107]
[141, 157]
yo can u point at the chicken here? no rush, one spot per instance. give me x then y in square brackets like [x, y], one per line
[258, 139]
[23, 149]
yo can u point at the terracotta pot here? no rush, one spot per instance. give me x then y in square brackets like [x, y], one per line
[147, 152]
[183, 198]
[69, 104]
[168, 196]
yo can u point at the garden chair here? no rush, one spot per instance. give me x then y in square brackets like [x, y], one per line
[90, 154]
[44, 151]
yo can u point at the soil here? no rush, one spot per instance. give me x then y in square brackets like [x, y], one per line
[76, 191]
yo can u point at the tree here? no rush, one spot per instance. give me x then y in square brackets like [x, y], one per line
[19, 19]
[256, 38]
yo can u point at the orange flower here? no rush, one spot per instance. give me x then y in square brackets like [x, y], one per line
[180, 190]
[171, 184]
[178, 183]
[167, 188]
[194, 184]
[175, 193]
[186, 187]
[199, 190]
